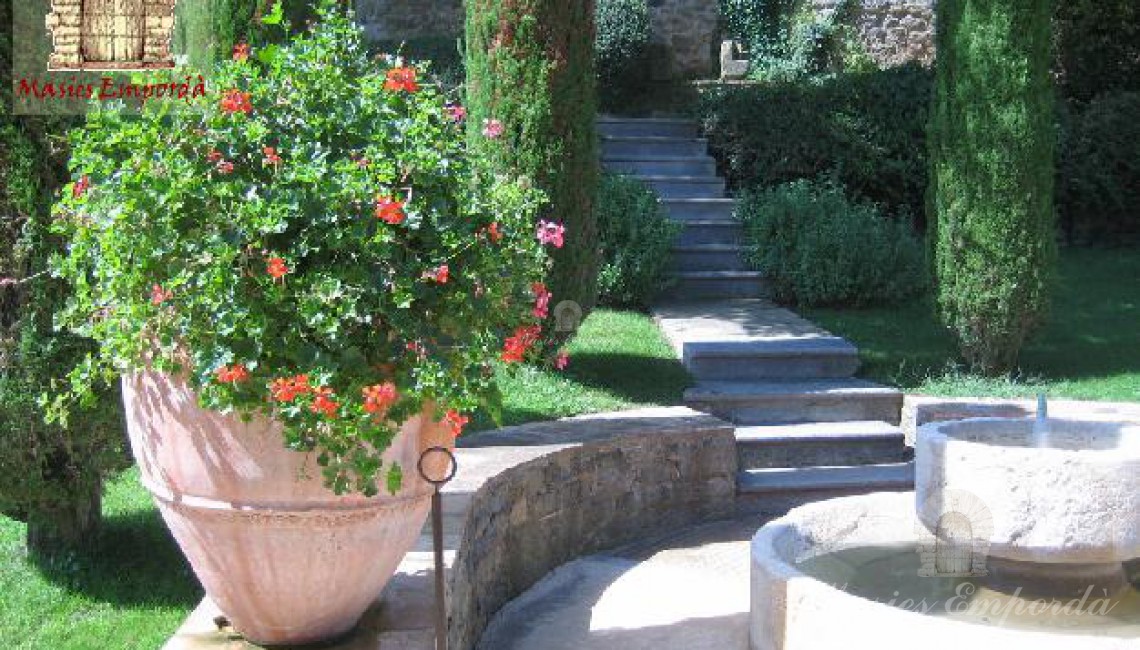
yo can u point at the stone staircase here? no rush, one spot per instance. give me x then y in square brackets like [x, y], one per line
[668, 155]
[806, 428]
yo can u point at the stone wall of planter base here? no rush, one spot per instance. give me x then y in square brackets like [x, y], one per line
[919, 410]
[639, 475]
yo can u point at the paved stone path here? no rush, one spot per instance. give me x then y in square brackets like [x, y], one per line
[686, 592]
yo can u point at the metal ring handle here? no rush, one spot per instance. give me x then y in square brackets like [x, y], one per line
[454, 465]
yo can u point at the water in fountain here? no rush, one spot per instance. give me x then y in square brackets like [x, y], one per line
[889, 574]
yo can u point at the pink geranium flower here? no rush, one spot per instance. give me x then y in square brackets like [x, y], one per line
[492, 128]
[551, 233]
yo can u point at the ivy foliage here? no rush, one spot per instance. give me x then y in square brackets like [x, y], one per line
[311, 242]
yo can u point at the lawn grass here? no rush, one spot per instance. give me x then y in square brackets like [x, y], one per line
[619, 360]
[1089, 349]
[133, 589]
[130, 590]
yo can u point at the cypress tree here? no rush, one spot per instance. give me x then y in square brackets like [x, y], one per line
[992, 167]
[530, 65]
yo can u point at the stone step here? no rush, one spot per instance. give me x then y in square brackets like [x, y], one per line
[685, 187]
[708, 257]
[821, 444]
[773, 492]
[701, 209]
[640, 127]
[652, 147]
[686, 166]
[790, 402]
[816, 357]
[707, 285]
[699, 232]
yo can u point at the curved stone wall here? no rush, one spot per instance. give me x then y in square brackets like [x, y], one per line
[638, 476]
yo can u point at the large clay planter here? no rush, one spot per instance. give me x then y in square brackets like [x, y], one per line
[285, 559]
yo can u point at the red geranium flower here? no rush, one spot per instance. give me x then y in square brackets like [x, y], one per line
[241, 51]
[233, 374]
[271, 157]
[286, 389]
[455, 421]
[516, 347]
[235, 101]
[225, 167]
[81, 186]
[214, 156]
[389, 210]
[401, 79]
[323, 402]
[379, 398]
[440, 274]
[158, 295]
[494, 233]
[276, 267]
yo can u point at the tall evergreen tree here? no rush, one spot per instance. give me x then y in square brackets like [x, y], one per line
[992, 168]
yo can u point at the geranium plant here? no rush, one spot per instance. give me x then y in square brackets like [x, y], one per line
[308, 241]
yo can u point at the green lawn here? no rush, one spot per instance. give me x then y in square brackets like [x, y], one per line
[133, 589]
[1090, 348]
[130, 590]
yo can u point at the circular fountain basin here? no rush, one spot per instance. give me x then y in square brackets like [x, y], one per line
[852, 573]
[1070, 497]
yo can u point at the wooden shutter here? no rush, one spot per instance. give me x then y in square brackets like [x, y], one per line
[113, 31]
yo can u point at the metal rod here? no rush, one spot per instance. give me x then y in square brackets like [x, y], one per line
[437, 541]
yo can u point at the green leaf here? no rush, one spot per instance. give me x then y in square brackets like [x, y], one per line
[269, 54]
[395, 478]
[275, 16]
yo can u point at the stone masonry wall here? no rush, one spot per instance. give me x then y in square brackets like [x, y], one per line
[577, 501]
[685, 35]
[396, 20]
[894, 32]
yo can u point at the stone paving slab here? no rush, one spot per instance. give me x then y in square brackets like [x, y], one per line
[689, 591]
[732, 320]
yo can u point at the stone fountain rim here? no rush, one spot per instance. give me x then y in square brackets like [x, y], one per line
[870, 616]
[933, 433]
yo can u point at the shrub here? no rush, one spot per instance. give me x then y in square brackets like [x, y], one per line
[312, 242]
[818, 248]
[530, 70]
[620, 51]
[1099, 169]
[991, 151]
[868, 128]
[636, 236]
[50, 474]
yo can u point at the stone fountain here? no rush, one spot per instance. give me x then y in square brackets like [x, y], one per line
[1018, 536]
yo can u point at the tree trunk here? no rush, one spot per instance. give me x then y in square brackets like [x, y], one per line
[67, 525]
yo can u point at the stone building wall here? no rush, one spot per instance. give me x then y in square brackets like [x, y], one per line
[894, 31]
[686, 37]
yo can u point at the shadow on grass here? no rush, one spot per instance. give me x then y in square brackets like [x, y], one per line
[134, 562]
[640, 379]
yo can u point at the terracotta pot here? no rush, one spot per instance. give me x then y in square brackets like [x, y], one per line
[288, 561]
